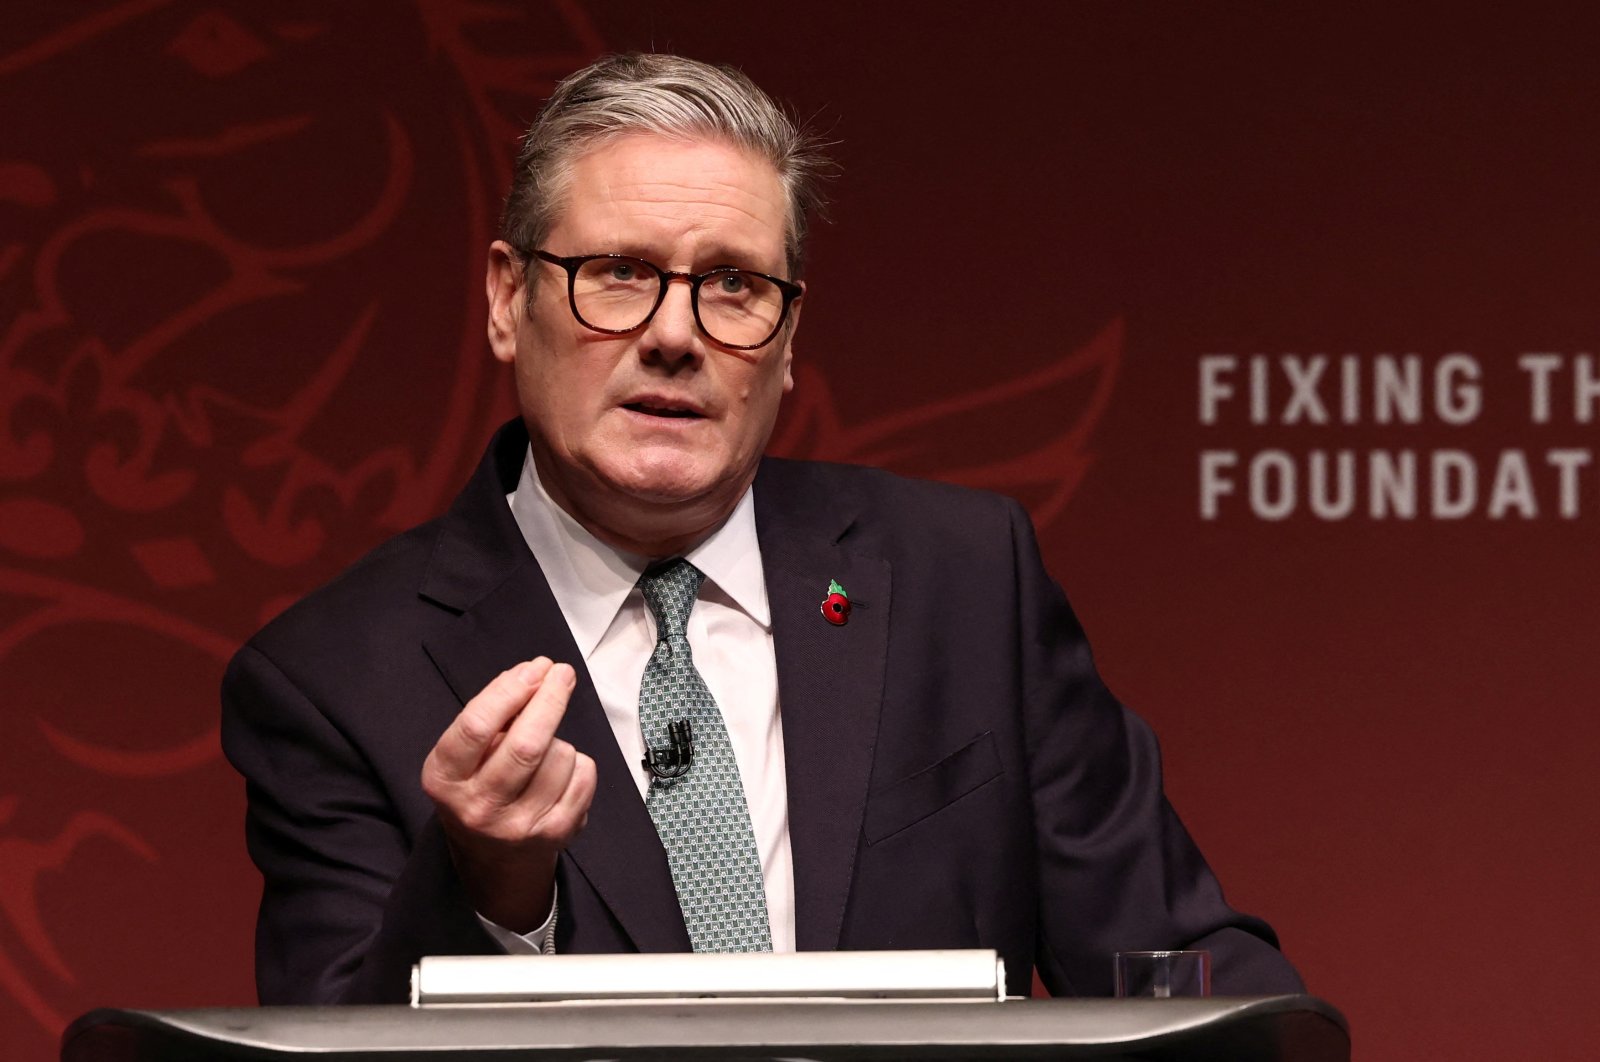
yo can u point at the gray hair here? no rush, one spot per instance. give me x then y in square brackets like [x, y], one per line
[665, 95]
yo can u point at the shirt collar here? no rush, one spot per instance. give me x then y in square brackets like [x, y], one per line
[590, 579]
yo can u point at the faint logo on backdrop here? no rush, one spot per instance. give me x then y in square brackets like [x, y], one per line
[241, 341]
[1027, 436]
[222, 225]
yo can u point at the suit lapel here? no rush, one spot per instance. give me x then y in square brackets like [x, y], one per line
[830, 684]
[482, 569]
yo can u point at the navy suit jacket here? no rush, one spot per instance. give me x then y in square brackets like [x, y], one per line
[958, 774]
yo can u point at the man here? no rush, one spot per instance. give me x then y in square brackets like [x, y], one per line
[635, 724]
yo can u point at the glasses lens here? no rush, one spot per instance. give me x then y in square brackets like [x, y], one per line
[740, 309]
[616, 294]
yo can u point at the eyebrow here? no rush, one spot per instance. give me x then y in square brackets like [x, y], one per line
[716, 256]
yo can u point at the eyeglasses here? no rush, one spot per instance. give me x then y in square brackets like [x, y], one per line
[616, 294]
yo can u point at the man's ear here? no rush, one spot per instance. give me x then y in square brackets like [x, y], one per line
[503, 283]
[791, 328]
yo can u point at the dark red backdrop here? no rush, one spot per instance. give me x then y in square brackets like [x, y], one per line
[241, 341]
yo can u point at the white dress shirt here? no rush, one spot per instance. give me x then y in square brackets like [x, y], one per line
[730, 634]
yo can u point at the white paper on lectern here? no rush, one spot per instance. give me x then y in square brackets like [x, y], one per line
[976, 975]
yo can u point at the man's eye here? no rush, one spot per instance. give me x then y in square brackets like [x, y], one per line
[730, 283]
[624, 271]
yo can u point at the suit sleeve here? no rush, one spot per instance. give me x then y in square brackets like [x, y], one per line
[350, 899]
[1117, 869]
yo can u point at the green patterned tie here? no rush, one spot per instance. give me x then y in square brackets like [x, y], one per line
[701, 816]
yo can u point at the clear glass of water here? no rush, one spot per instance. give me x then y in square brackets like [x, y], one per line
[1163, 974]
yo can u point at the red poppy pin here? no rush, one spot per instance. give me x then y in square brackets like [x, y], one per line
[836, 606]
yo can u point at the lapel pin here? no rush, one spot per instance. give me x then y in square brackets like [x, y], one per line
[836, 606]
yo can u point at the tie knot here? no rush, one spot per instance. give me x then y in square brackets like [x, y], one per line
[670, 591]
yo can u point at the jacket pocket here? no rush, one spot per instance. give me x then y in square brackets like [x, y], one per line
[910, 800]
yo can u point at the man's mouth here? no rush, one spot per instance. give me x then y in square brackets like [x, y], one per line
[652, 410]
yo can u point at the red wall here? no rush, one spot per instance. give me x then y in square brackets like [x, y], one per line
[241, 341]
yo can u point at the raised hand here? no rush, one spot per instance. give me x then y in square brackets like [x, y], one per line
[509, 793]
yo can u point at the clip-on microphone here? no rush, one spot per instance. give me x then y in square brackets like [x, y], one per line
[674, 760]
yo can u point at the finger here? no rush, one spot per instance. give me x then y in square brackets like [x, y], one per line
[464, 744]
[507, 772]
[557, 800]
[544, 789]
[570, 814]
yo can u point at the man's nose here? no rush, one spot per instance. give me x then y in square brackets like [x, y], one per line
[672, 334]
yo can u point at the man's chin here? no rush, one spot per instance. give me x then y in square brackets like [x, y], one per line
[678, 492]
[674, 479]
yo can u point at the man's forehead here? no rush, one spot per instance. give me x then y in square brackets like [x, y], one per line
[645, 193]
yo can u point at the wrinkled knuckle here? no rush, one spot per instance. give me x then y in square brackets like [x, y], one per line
[526, 753]
[475, 728]
[479, 814]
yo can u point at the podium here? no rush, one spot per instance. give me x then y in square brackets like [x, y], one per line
[1216, 1029]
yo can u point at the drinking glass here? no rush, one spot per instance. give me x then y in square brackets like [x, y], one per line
[1163, 974]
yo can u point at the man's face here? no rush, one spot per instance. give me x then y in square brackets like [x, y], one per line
[651, 437]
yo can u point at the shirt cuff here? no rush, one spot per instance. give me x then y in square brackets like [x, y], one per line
[541, 941]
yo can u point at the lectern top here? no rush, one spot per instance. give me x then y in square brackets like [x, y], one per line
[1241, 1029]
